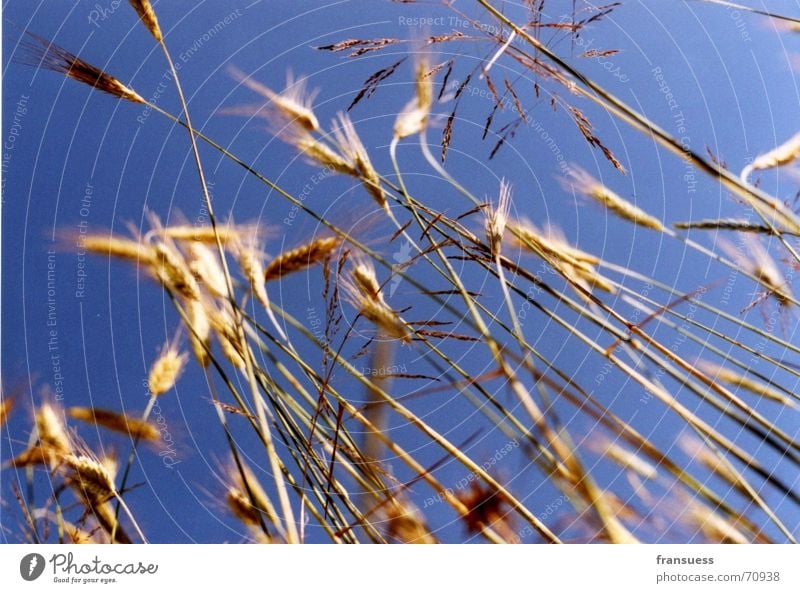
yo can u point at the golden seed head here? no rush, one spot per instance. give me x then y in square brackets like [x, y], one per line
[351, 147]
[301, 257]
[405, 523]
[203, 234]
[123, 248]
[148, 17]
[779, 156]
[199, 332]
[293, 104]
[363, 275]
[90, 477]
[171, 269]
[51, 430]
[117, 422]
[42, 53]
[166, 370]
[204, 263]
[250, 262]
[414, 117]
[584, 183]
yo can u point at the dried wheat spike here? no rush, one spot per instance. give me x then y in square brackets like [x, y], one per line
[301, 258]
[41, 53]
[148, 17]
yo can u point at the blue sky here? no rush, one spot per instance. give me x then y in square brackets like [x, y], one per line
[717, 78]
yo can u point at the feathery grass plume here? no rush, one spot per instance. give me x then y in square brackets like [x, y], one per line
[351, 147]
[757, 261]
[170, 268]
[148, 17]
[406, 524]
[301, 258]
[365, 279]
[364, 292]
[250, 260]
[497, 218]
[41, 53]
[726, 375]
[777, 157]
[167, 369]
[122, 248]
[581, 181]
[204, 263]
[117, 422]
[294, 103]
[200, 331]
[414, 117]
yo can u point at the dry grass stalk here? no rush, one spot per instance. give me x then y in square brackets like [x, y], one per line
[294, 103]
[148, 17]
[726, 375]
[584, 183]
[166, 370]
[630, 460]
[42, 53]
[117, 422]
[301, 258]
[715, 528]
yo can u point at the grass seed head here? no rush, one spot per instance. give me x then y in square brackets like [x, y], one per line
[301, 258]
[166, 370]
[41, 53]
[148, 17]
[294, 104]
[584, 183]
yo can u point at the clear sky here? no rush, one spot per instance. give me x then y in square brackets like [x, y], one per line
[719, 79]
